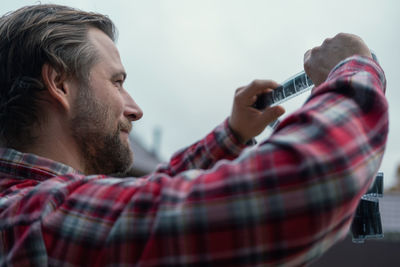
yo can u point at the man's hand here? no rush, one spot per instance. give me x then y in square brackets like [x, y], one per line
[246, 121]
[320, 60]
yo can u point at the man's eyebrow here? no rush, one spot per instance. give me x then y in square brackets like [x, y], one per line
[118, 74]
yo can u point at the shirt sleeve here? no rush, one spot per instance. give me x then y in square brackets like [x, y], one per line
[282, 203]
[221, 143]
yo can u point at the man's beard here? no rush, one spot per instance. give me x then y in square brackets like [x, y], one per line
[103, 152]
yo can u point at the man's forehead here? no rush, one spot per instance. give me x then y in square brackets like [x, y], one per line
[106, 49]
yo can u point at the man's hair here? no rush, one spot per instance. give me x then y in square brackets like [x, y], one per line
[29, 38]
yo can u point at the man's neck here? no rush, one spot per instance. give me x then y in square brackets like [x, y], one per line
[57, 144]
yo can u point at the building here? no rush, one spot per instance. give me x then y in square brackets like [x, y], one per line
[372, 253]
[144, 161]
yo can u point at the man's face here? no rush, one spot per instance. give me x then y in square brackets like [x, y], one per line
[103, 112]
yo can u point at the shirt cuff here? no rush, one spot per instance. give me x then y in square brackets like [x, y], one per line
[354, 64]
[228, 141]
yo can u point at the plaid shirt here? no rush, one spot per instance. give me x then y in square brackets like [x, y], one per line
[282, 202]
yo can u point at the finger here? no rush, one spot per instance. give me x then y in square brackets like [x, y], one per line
[307, 55]
[273, 113]
[256, 88]
[326, 42]
[240, 90]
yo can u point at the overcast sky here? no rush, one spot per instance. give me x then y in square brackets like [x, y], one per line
[186, 58]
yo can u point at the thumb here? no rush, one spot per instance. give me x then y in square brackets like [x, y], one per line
[272, 113]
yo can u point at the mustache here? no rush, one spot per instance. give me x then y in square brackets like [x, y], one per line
[125, 126]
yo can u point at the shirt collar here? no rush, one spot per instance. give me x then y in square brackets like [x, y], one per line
[30, 166]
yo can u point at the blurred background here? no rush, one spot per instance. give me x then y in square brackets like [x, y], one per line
[186, 58]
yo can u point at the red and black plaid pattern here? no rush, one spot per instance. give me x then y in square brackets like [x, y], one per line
[283, 202]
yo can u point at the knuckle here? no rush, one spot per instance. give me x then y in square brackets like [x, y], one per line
[239, 91]
[255, 82]
[315, 51]
[340, 35]
[307, 67]
[343, 35]
[327, 41]
[348, 37]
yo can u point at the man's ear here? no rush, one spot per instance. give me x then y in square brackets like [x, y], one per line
[57, 86]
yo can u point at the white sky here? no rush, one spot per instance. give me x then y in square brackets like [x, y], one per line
[186, 58]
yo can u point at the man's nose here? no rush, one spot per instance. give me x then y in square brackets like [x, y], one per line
[132, 111]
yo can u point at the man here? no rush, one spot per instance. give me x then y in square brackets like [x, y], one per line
[65, 120]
